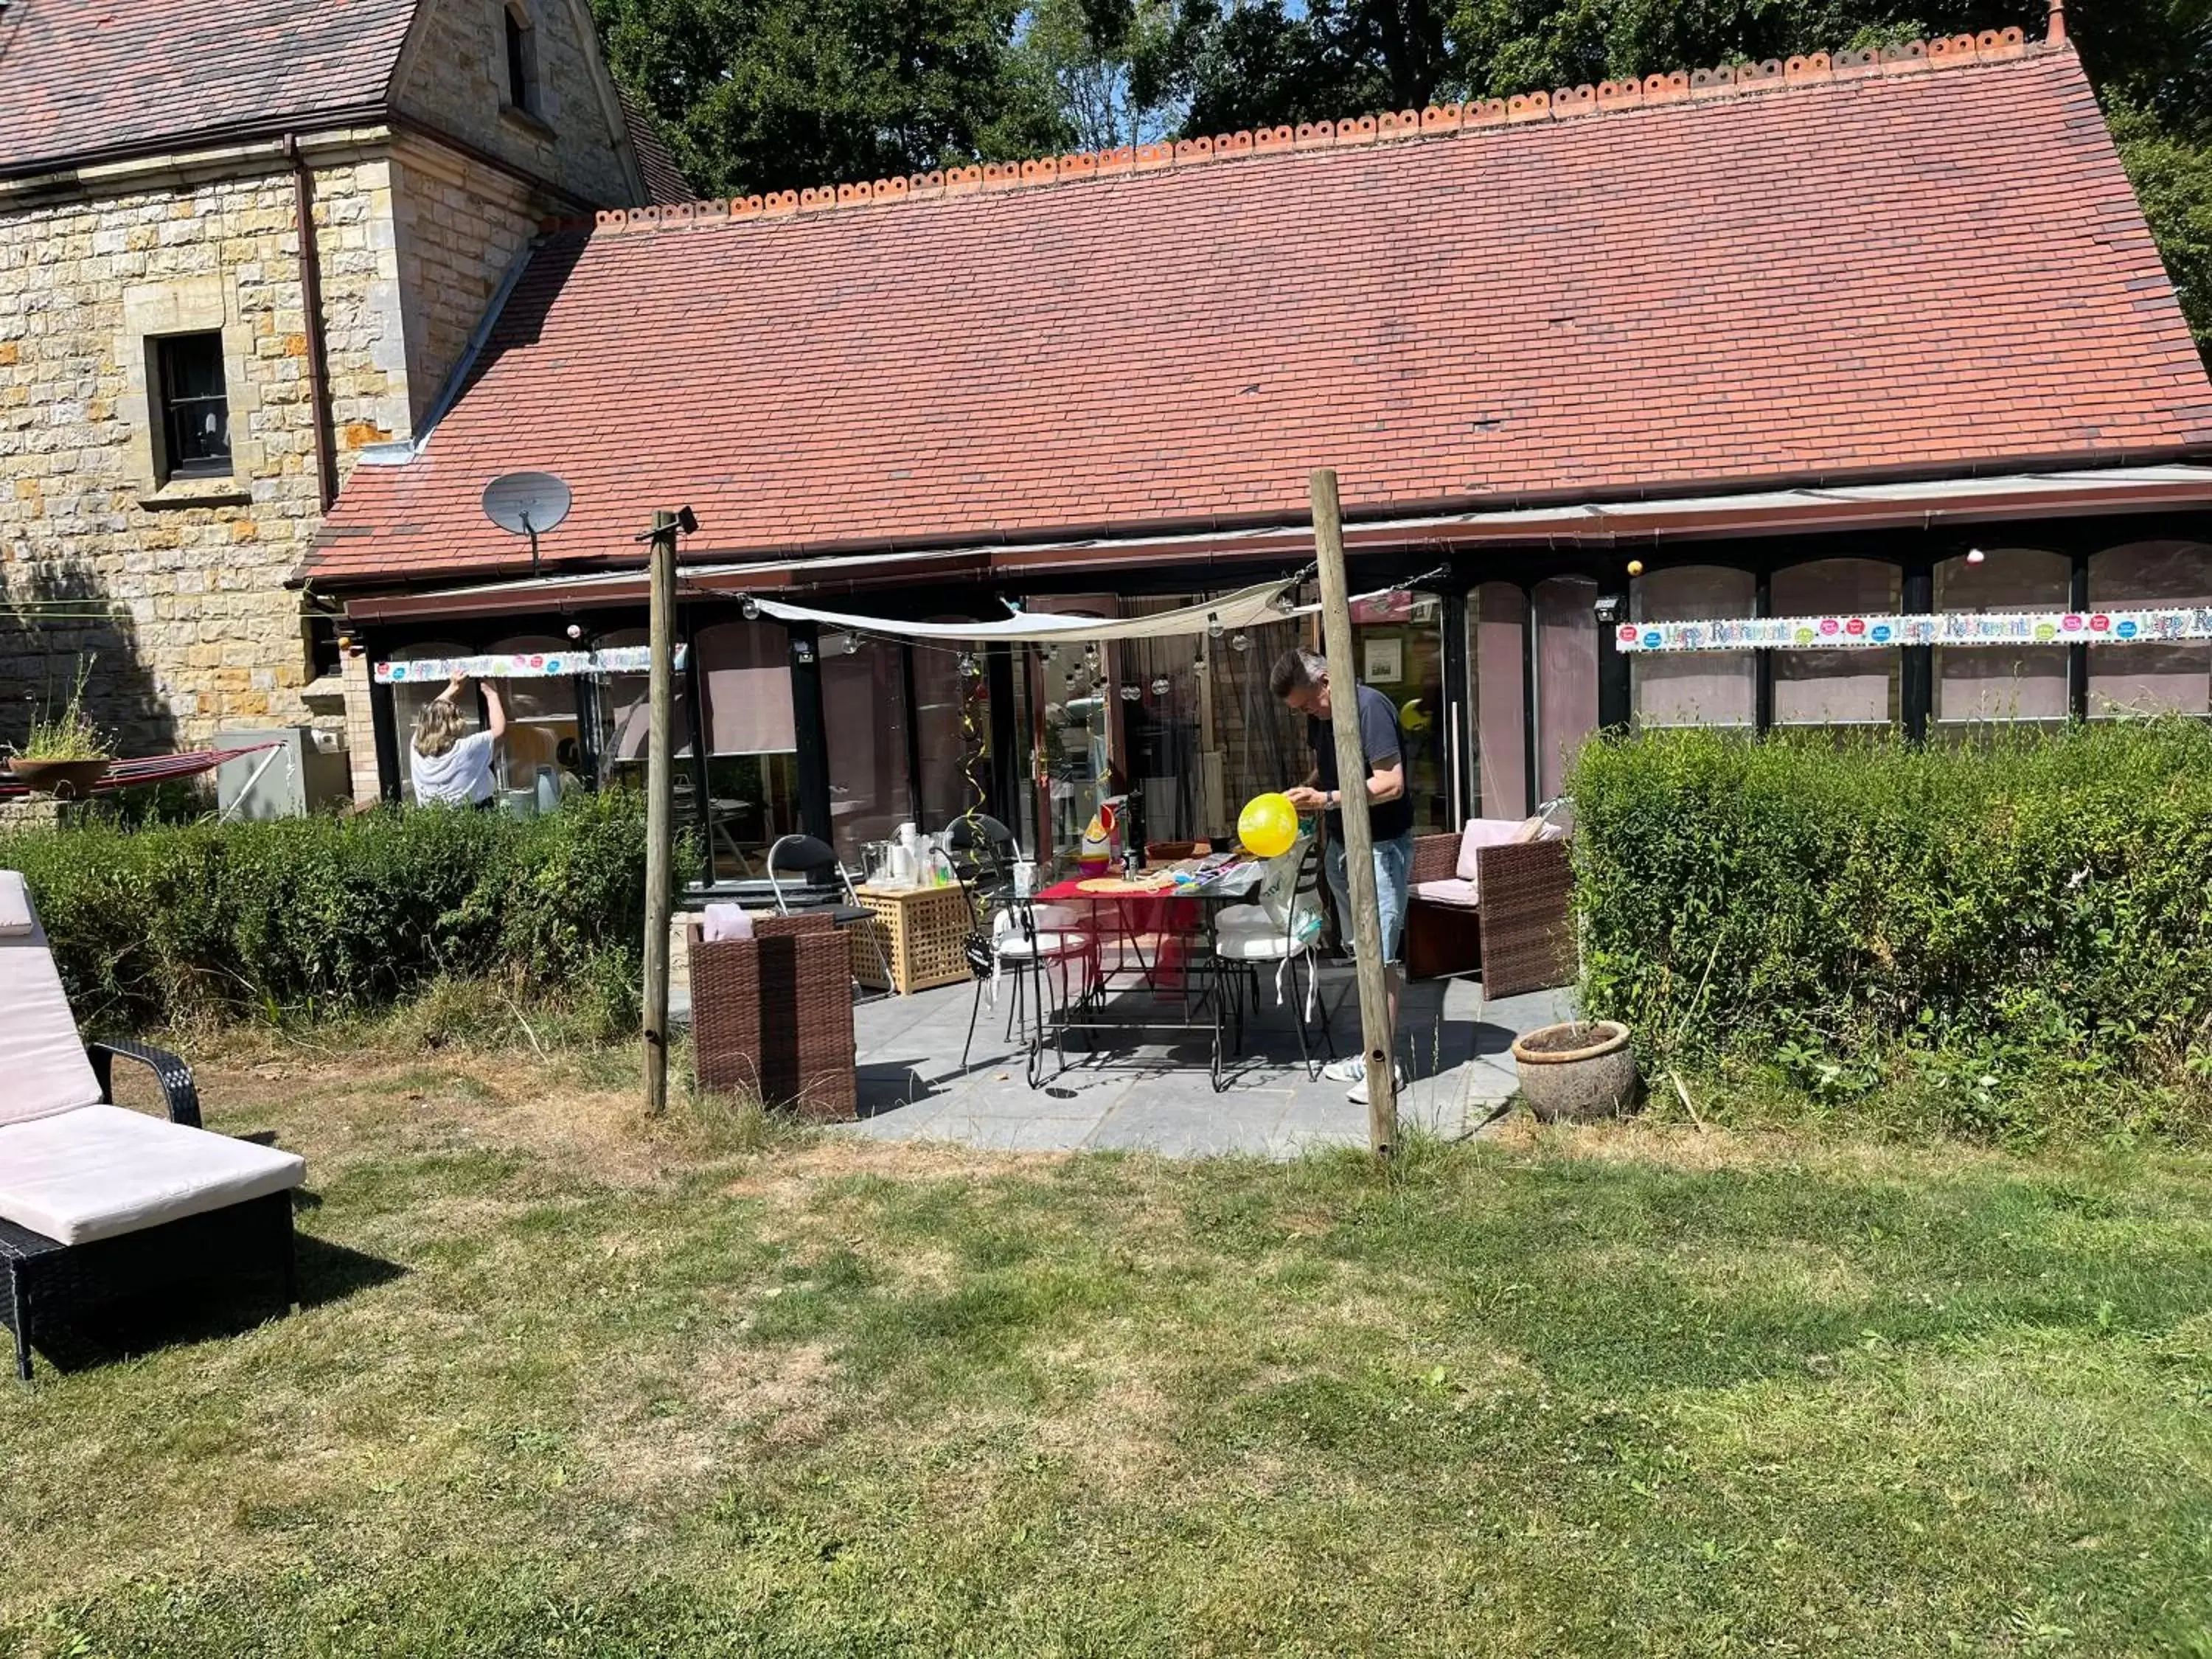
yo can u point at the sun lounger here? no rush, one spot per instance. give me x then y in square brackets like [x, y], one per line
[99, 1203]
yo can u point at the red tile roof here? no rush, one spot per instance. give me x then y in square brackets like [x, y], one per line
[82, 78]
[1870, 268]
[664, 183]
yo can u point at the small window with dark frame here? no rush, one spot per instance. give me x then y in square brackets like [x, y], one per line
[195, 406]
[522, 81]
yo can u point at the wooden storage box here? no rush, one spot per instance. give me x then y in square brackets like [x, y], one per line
[924, 934]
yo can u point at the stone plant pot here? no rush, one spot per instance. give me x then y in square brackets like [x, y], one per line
[1574, 1073]
[65, 780]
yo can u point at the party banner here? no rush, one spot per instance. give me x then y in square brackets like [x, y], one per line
[1957, 628]
[524, 665]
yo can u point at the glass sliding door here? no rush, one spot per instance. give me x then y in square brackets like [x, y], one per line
[863, 717]
[752, 766]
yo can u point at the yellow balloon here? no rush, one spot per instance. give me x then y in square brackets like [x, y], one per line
[1269, 825]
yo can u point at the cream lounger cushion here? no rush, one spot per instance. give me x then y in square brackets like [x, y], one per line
[43, 1069]
[104, 1170]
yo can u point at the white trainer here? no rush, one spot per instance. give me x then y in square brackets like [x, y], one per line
[1357, 1095]
[1346, 1071]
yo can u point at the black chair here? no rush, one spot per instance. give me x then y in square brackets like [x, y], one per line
[815, 861]
[986, 849]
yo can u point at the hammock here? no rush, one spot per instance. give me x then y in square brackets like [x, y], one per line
[154, 769]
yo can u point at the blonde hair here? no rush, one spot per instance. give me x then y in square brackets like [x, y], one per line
[437, 729]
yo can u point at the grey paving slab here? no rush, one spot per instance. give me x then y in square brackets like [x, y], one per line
[1146, 1093]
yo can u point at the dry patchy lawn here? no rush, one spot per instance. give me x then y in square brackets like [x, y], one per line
[569, 1385]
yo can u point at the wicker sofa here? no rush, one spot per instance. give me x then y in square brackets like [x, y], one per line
[1491, 904]
[97, 1203]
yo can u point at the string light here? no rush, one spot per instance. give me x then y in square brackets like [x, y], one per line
[1130, 694]
[1240, 642]
[967, 667]
[852, 643]
[1160, 687]
[751, 607]
[1213, 625]
[1975, 556]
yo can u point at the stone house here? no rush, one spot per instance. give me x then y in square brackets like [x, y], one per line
[242, 242]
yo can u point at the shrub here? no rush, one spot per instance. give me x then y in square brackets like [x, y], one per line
[2001, 919]
[311, 917]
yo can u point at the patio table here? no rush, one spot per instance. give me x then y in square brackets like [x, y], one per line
[1175, 911]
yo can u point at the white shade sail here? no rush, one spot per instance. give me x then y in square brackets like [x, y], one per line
[1248, 607]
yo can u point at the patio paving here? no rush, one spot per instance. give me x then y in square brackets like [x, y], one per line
[1157, 1098]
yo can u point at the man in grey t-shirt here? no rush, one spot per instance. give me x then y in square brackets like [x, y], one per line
[1301, 680]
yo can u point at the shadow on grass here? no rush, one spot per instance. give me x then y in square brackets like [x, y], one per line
[211, 1310]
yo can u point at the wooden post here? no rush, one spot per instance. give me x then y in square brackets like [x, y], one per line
[659, 810]
[1375, 1033]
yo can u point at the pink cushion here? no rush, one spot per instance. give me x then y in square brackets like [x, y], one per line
[1460, 895]
[1480, 833]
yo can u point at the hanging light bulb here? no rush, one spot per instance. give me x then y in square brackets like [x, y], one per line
[852, 643]
[1160, 686]
[1975, 556]
[1197, 669]
[1240, 642]
[967, 667]
[1213, 625]
[1047, 652]
[1130, 694]
[751, 607]
[1091, 655]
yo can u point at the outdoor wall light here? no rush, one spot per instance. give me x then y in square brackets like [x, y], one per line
[1609, 608]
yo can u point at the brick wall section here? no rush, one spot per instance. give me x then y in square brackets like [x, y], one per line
[359, 726]
[460, 228]
[454, 76]
[179, 591]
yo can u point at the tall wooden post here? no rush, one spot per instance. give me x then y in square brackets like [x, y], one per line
[659, 810]
[1375, 1033]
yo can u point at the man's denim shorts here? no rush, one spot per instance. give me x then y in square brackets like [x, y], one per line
[1393, 870]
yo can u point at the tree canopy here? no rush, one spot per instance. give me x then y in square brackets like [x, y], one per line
[771, 95]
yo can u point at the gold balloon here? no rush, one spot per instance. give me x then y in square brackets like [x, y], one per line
[1269, 825]
[1635, 567]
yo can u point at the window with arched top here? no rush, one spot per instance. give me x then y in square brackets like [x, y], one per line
[1702, 687]
[1856, 686]
[2151, 679]
[2002, 682]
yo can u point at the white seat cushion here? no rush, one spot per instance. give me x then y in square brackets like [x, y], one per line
[102, 1171]
[1014, 948]
[43, 1068]
[1460, 895]
[1243, 918]
[1246, 944]
[15, 917]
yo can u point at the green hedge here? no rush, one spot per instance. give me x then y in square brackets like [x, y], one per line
[310, 917]
[2007, 915]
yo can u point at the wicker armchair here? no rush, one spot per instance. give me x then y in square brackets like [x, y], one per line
[1519, 936]
[772, 1016]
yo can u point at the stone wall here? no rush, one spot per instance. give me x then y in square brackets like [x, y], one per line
[454, 77]
[461, 228]
[174, 592]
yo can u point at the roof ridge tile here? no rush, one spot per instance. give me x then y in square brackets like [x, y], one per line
[1437, 120]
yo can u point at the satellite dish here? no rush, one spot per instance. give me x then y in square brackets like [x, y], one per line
[527, 504]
